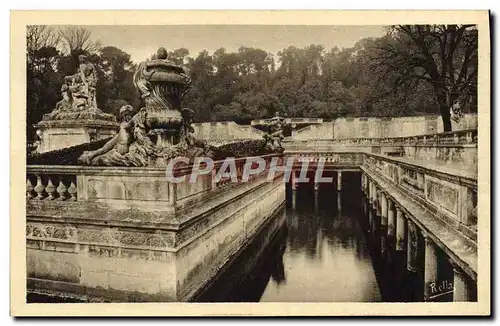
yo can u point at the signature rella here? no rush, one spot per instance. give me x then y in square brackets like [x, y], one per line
[252, 166]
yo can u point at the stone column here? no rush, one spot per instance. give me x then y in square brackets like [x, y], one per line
[339, 201]
[316, 186]
[391, 219]
[370, 220]
[460, 284]
[370, 192]
[362, 182]
[316, 201]
[339, 180]
[294, 181]
[412, 247]
[294, 199]
[430, 267]
[383, 224]
[400, 230]
[391, 229]
[374, 196]
[383, 205]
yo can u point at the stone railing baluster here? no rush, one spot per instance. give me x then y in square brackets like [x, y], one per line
[39, 188]
[30, 189]
[62, 190]
[50, 189]
[72, 190]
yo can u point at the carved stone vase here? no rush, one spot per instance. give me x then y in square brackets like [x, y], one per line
[162, 85]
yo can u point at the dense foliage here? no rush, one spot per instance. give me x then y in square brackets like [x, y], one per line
[412, 70]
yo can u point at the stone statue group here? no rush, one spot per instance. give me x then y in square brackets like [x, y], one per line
[153, 134]
[79, 95]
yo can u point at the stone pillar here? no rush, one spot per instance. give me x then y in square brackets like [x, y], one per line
[412, 247]
[383, 224]
[391, 219]
[362, 182]
[294, 181]
[370, 220]
[339, 201]
[376, 195]
[383, 205]
[316, 201]
[294, 199]
[316, 186]
[391, 229]
[430, 267]
[369, 185]
[339, 180]
[460, 284]
[400, 230]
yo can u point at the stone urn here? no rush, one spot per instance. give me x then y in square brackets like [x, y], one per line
[162, 85]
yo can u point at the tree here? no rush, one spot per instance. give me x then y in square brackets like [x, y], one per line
[117, 79]
[77, 39]
[43, 80]
[444, 56]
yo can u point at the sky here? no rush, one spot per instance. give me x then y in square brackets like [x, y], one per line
[140, 41]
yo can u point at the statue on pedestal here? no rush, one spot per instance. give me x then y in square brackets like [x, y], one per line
[79, 96]
[275, 133]
[160, 130]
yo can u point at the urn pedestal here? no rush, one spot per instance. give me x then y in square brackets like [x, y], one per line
[58, 134]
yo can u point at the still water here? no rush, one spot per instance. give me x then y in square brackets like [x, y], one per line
[319, 255]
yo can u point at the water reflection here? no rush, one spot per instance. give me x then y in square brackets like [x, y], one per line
[320, 256]
[326, 257]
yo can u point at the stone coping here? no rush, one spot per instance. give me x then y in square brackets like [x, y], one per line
[358, 139]
[76, 124]
[459, 247]
[179, 170]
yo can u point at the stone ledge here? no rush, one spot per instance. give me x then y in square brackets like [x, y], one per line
[88, 294]
[87, 123]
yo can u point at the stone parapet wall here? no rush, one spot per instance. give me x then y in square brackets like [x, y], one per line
[126, 234]
[371, 127]
[211, 131]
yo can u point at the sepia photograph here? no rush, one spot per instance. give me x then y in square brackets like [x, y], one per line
[288, 163]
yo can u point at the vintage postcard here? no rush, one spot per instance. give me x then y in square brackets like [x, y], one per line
[250, 163]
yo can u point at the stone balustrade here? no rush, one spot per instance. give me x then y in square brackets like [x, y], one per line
[221, 142]
[439, 203]
[51, 183]
[460, 137]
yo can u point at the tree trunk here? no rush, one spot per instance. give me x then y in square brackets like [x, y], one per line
[444, 108]
[445, 115]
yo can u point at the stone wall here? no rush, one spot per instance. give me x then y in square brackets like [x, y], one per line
[129, 235]
[225, 130]
[381, 127]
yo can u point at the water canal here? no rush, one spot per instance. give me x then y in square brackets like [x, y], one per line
[322, 252]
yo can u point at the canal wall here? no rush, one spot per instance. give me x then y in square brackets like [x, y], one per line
[372, 127]
[225, 130]
[129, 235]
